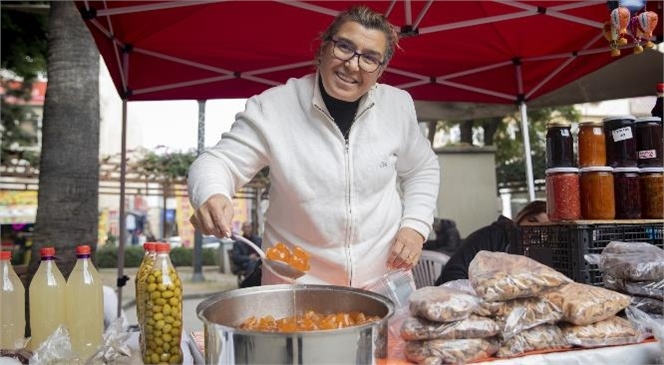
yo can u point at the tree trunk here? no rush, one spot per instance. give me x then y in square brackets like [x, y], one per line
[490, 127]
[466, 128]
[67, 212]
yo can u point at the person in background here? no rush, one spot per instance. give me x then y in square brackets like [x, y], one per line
[338, 145]
[448, 238]
[243, 256]
[501, 235]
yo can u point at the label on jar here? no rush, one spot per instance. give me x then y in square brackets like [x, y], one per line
[647, 154]
[622, 134]
[597, 131]
[564, 132]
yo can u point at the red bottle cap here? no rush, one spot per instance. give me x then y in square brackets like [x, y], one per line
[47, 251]
[149, 246]
[660, 88]
[163, 247]
[83, 250]
[5, 255]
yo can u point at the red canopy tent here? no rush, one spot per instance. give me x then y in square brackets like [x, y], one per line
[500, 52]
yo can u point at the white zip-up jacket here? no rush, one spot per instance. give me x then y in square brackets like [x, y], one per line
[342, 201]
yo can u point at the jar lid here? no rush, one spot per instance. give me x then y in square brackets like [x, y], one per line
[649, 119]
[645, 170]
[555, 170]
[596, 123]
[558, 124]
[619, 117]
[597, 169]
[625, 169]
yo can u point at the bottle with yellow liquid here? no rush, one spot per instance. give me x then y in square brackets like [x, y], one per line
[140, 284]
[163, 314]
[47, 299]
[85, 305]
[12, 304]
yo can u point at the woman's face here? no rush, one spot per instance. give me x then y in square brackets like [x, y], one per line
[344, 80]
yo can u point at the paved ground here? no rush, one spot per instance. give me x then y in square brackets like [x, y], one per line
[194, 293]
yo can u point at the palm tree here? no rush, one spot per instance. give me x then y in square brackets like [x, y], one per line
[67, 213]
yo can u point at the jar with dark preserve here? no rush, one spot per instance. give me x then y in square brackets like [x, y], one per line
[597, 193]
[592, 144]
[559, 145]
[620, 141]
[562, 193]
[627, 192]
[649, 142]
[652, 192]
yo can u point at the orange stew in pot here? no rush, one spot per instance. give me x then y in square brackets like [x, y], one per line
[298, 258]
[309, 321]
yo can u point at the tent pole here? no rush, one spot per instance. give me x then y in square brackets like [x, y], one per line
[526, 151]
[198, 237]
[123, 224]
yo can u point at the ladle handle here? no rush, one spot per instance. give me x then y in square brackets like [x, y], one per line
[258, 250]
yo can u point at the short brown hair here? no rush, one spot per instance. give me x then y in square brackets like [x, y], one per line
[533, 208]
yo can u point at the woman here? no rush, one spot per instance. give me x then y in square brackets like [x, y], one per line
[338, 144]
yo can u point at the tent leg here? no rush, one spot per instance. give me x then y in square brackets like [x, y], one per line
[123, 224]
[526, 151]
[198, 237]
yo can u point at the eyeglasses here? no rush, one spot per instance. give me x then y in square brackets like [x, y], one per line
[344, 51]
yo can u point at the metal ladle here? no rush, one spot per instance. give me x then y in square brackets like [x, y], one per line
[277, 267]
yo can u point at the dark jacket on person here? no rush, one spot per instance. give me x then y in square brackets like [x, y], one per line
[241, 251]
[501, 236]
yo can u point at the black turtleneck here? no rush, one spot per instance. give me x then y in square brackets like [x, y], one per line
[342, 112]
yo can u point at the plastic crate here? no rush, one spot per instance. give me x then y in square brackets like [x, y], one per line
[562, 245]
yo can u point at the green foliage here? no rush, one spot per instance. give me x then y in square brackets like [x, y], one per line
[107, 256]
[24, 46]
[169, 166]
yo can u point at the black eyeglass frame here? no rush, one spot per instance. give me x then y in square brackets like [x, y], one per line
[355, 54]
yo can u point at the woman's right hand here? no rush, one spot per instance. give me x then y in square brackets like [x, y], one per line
[214, 217]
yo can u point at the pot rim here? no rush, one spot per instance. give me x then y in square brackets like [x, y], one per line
[209, 301]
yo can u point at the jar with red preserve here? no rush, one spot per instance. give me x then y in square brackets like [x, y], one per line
[627, 192]
[597, 193]
[652, 192]
[562, 193]
[592, 144]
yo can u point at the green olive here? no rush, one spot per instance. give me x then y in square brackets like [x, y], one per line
[160, 301]
[167, 294]
[174, 301]
[159, 341]
[157, 333]
[152, 287]
[166, 309]
[155, 295]
[175, 332]
[154, 358]
[160, 324]
[177, 324]
[158, 317]
[167, 337]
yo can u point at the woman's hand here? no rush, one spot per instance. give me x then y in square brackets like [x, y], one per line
[406, 249]
[214, 217]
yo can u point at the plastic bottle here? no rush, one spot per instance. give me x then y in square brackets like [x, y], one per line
[12, 304]
[47, 299]
[140, 283]
[658, 109]
[163, 315]
[85, 305]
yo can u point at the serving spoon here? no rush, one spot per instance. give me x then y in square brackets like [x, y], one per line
[277, 267]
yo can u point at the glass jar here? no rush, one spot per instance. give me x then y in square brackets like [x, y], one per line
[597, 193]
[627, 192]
[592, 144]
[649, 141]
[652, 192]
[562, 193]
[620, 141]
[559, 145]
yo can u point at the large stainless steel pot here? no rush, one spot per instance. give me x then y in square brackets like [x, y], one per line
[226, 344]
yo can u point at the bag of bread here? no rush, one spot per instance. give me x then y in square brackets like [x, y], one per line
[415, 328]
[441, 304]
[609, 332]
[518, 315]
[586, 304]
[449, 351]
[543, 337]
[637, 261]
[499, 276]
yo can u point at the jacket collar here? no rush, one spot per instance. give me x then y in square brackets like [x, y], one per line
[366, 101]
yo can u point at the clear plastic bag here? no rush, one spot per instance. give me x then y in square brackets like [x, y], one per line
[609, 332]
[441, 304]
[543, 337]
[449, 351]
[55, 350]
[653, 289]
[648, 305]
[415, 328]
[652, 324]
[518, 315]
[498, 276]
[586, 304]
[637, 261]
[460, 284]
